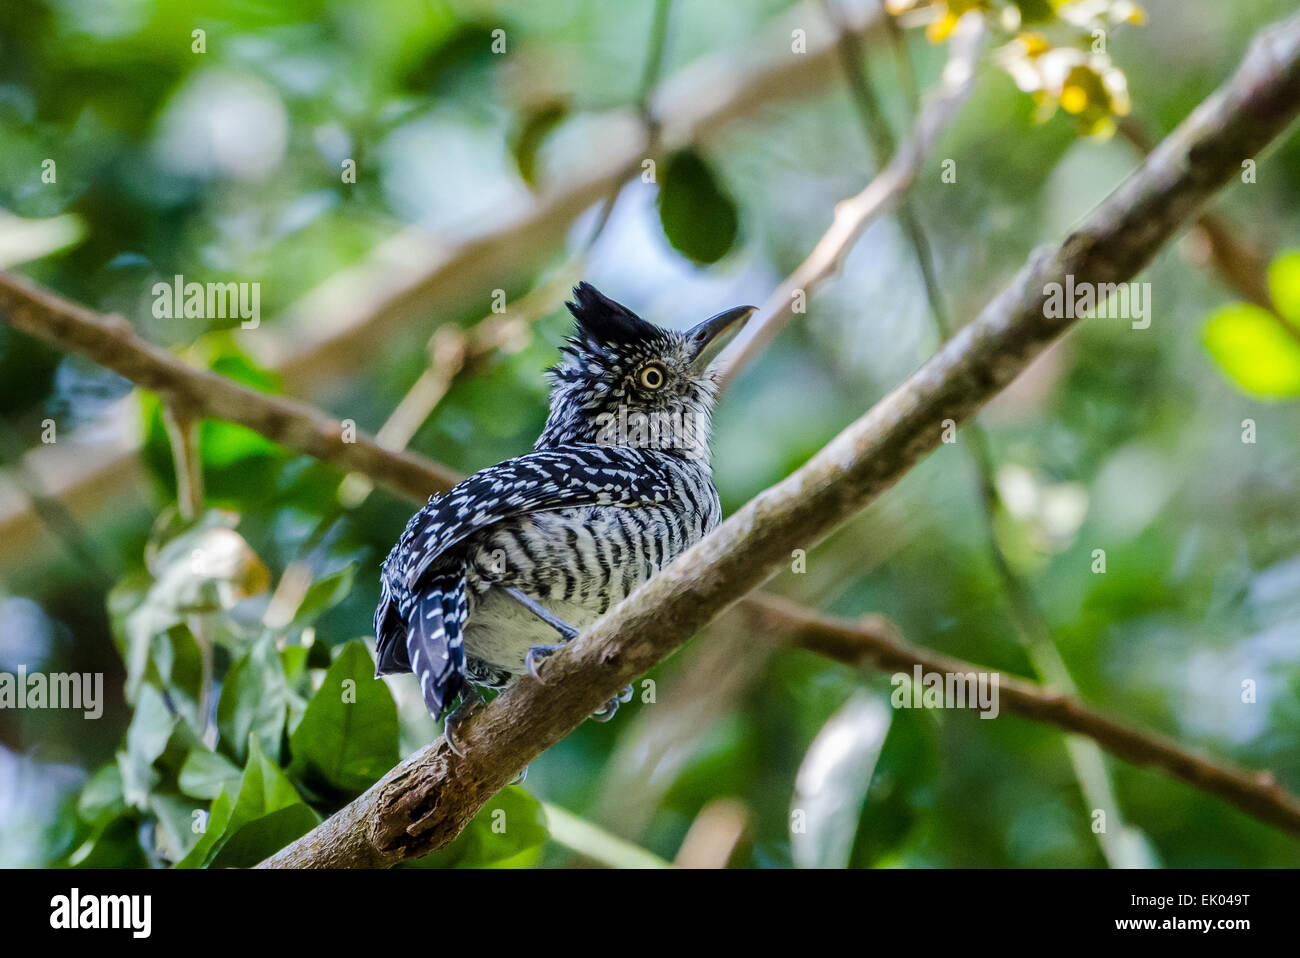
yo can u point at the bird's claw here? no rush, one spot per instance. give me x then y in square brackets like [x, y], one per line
[610, 708]
[537, 653]
[470, 702]
[519, 779]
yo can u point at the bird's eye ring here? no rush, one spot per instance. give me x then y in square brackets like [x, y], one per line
[651, 376]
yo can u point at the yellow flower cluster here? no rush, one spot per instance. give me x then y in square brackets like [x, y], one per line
[1056, 51]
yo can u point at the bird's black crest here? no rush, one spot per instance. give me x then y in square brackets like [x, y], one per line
[602, 322]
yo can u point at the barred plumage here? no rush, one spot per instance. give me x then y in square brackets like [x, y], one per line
[618, 485]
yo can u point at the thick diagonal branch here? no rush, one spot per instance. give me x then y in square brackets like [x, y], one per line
[425, 802]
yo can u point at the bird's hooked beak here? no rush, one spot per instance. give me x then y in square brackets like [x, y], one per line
[714, 333]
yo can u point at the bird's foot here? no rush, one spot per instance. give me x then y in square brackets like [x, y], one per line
[533, 660]
[519, 779]
[470, 702]
[610, 708]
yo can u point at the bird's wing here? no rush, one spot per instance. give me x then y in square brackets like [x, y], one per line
[421, 613]
[559, 478]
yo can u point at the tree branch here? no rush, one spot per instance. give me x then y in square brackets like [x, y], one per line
[426, 801]
[1242, 266]
[112, 343]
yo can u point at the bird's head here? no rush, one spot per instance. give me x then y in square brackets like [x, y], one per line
[624, 381]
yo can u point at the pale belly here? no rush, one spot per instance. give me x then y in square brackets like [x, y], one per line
[500, 631]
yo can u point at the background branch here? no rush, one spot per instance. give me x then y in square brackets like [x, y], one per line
[112, 343]
[874, 642]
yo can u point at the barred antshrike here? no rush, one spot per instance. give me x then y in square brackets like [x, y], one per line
[485, 578]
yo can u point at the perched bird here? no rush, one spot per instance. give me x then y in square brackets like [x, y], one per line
[490, 578]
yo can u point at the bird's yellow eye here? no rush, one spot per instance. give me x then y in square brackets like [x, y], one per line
[651, 376]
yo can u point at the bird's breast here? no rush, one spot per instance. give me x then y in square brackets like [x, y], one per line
[576, 562]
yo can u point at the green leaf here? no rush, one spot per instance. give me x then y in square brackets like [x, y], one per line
[530, 134]
[293, 659]
[175, 834]
[833, 780]
[1254, 350]
[512, 822]
[175, 666]
[115, 844]
[263, 789]
[205, 773]
[254, 700]
[146, 740]
[263, 836]
[325, 593]
[1284, 284]
[218, 819]
[348, 735]
[698, 217]
[131, 631]
[102, 798]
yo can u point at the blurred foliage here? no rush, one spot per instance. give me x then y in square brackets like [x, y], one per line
[242, 707]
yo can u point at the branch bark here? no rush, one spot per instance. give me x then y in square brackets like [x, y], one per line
[425, 802]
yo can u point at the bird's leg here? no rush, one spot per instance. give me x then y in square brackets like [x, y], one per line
[532, 661]
[538, 652]
[567, 634]
[471, 700]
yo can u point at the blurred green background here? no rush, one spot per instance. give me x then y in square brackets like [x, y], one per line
[226, 165]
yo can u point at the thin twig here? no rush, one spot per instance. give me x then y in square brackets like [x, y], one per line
[853, 215]
[182, 427]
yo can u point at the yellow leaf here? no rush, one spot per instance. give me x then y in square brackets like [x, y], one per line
[1254, 350]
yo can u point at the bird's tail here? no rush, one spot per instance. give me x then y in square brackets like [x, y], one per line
[429, 641]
